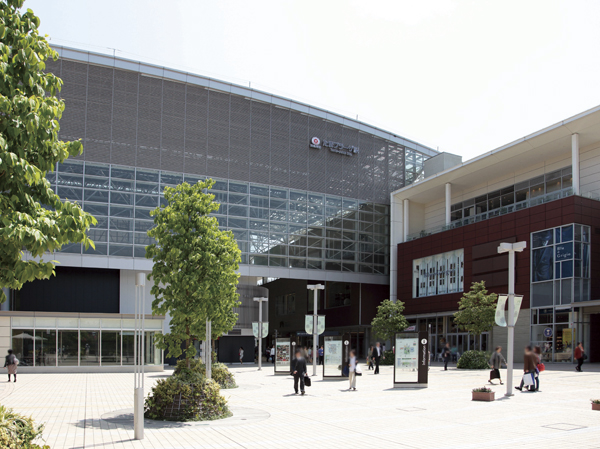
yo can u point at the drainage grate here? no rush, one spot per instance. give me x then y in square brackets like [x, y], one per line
[411, 409]
[564, 426]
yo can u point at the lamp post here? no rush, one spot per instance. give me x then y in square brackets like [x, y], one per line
[260, 329]
[315, 288]
[511, 248]
[138, 357]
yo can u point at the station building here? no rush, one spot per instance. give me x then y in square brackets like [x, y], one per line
[305, 191]
[543, 189]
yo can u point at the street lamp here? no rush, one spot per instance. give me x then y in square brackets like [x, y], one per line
[260, 329]
[138, 357]
[315, 331]
[511, 248]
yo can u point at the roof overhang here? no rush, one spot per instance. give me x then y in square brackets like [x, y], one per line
[546, 144]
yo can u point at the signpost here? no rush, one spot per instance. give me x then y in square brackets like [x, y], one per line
[262, 331]
[411, 359]
[511, 248]
[283, 356]
[315, 333]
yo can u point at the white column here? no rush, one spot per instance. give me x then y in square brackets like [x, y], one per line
[138, 396]
[406, 219]
[448, 202]
[396, 237]
[511, 324]
[575, 162]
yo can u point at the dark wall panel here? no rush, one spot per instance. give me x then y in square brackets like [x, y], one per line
[80, 290]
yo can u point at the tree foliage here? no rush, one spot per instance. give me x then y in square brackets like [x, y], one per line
[389, 319]
[476, 310]
[195, 266]
[32, 217]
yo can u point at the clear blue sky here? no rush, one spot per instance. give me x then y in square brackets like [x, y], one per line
[464, 76]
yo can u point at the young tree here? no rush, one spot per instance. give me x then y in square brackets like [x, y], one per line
[476, 310]
[32, 217]
[389, 319]
[194, 270]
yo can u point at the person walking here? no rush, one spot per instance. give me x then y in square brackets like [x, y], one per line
[496, 361]
[446, 354]
[11, 362]
[321, 354]
[310, 355]
[579, 356]
[273, 354]
[369, 359]
[539, 367]
[376, 356]
[352, 370]
[241, 355]
[299, 371]
[529, 367]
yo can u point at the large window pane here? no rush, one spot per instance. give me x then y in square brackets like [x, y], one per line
[22, 345]
[542, 264]
[128, 348]
[111, 347]
[68, 348]
[45, 347]
[89, 347]
[542, 294]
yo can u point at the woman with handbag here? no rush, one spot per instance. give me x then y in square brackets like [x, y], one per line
[352, 370]
[537, 351]
[496, 361]
[11, 362]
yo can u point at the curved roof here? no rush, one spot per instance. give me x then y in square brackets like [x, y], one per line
[223, 86]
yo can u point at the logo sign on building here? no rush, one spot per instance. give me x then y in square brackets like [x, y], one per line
[315, 143]
[548, 332]
[334, 147]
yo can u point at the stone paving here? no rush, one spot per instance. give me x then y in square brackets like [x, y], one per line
[92, 411]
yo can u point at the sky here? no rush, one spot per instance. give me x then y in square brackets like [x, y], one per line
[464, 77]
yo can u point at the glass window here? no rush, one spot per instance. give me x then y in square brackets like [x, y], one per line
[121, 198]
[173, 179]
[567, 233]
[128, 348]
[122, 173]
[45, 347]
[542, 294]
[542, 264]
[111, 347]
[68, 348]
[22, 345]
[543, 238]
[89, 348]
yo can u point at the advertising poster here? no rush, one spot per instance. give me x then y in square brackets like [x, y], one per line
[407, 359]
[332, 364]
[282, 355]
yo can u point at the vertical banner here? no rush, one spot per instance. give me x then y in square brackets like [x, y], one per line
[255, 329]
[265, 329]
[308, 324]
[321, 324]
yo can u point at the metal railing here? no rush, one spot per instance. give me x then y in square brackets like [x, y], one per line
[547, 198]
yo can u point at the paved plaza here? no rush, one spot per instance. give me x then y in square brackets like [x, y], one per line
[93, 411]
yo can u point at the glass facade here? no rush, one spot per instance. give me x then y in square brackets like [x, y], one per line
[560, 276]
[80, 341]
[512, 198]
[276, 227]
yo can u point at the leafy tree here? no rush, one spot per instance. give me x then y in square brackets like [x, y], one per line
[32, 217]
[476, 310]
[194, 270]
[389, 319]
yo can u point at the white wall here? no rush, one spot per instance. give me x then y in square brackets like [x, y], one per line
[127, 292]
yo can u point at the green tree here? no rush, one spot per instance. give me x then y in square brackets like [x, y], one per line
[389, 319]
[476, 310]
[32, 217]
[194, 269]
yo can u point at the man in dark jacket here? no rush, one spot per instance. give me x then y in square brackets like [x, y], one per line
[446, 353]
[529, 367]
[376, 356]
[299, 371]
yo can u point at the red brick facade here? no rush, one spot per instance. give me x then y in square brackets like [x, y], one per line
[481, 261]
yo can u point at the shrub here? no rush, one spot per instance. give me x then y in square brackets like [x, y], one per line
[482, 390]
[18, 431]
[188, 396]
[388, 358]
[474, 360]
[220, 372]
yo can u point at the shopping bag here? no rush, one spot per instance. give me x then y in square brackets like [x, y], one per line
[307, 381]
[541, 367]
[358, 370]
[528, 379]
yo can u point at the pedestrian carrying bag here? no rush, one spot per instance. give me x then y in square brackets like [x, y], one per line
[494, 374]
[307, 381]
[358, 370]
[528, 379]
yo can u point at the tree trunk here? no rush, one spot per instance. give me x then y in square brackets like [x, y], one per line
[213, 353]
[187, 346]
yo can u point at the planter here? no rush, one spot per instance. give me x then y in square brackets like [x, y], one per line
[595, 406]
[485, 397]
